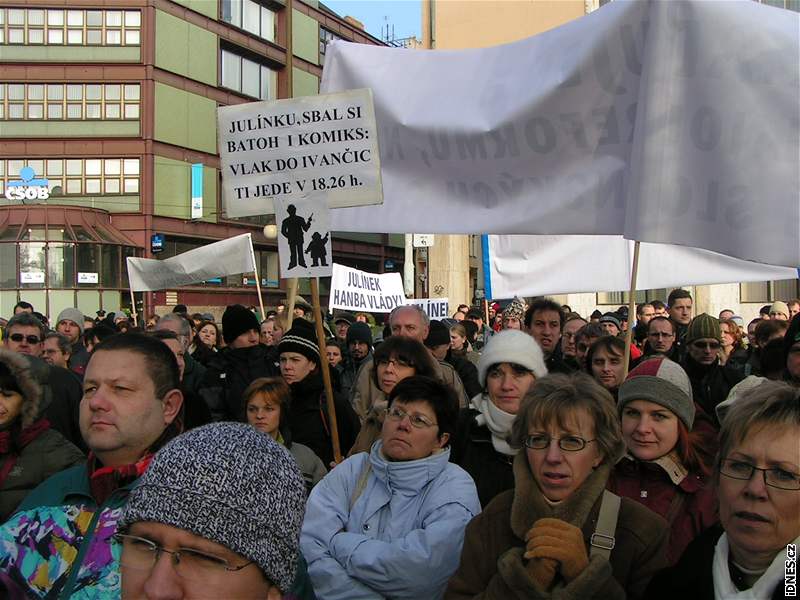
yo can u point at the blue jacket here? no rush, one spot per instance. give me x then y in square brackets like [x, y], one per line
[400, 537]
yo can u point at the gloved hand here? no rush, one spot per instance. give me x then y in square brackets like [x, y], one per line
[557, 540]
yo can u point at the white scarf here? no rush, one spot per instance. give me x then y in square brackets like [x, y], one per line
[763, 588]
[497, 421]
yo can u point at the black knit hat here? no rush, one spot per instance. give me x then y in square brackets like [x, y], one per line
[359, 332]
[438, 334]
[301, 338]
[237, 320]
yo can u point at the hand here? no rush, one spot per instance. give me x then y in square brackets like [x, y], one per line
[557, 540]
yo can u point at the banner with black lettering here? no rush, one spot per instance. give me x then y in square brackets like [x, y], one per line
[355, 290]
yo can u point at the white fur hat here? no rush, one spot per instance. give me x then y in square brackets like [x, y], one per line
[512, 346]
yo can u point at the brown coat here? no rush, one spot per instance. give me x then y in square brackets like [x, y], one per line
[492, 564]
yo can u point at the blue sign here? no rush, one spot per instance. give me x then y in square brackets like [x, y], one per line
[157, 243]
[388, 265]
[29, 188]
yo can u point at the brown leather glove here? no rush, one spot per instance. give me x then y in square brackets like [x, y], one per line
[557, 540]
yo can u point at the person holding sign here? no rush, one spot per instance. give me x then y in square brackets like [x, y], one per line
[292, 228]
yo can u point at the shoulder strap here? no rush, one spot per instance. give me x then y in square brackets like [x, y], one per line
[361, 483]
[602, 540]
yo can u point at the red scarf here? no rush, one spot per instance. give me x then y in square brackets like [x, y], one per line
[11, 446]
[104, 481]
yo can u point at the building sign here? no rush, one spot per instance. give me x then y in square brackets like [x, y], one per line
[435, 308]
[31, 277]
[157, 243]
[197, 191]
[29, 188]
[422, 240]
[87, 278]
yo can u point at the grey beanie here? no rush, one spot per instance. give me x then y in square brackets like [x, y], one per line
[230, 484]
[661, 381]
[71, 314]
[511, 346]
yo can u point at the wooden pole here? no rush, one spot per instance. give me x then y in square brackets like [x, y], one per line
[260, 298]
[291, 296]
[631, 309]
[326, 374]
[486, 314]
[133, 309]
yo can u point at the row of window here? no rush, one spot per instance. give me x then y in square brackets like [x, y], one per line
[78, 176]
[248, 77]
[38, 26]
[58, 101]
[250, 16]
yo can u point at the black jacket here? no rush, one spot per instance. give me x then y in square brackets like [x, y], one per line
[711, 384]
[467, 372]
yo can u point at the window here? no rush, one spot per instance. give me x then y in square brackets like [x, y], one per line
[70, 101]
[247, 76]
[37, 26]
[76, 176]
[767, 291]
[325, 36]
[250, 16]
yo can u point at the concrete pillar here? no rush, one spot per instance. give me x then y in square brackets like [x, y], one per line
[448, 270]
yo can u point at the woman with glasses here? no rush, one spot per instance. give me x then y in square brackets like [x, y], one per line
[666, 466]
[757, 475]
[558, 533]
[390, 523]
[509, 365]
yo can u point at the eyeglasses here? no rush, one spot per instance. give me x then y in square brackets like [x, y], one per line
[777, 478]
[706, 345]
[568, 443]
[18, 337]
[418, 421]
[141, 553]
[659, 334]
[397, 362]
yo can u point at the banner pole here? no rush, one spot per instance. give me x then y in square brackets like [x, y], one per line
[133, 307]
[326, 374]
[631, 309]
[260, 298]
[291, 295]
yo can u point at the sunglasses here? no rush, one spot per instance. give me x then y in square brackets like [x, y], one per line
[18, 337]
[706, 345]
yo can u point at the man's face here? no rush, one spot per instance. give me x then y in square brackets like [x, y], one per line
[793, 361]
[341, 329]
[610, 328]
[25, 339]
[546, 329]
[582, 349]
[69, 329]
[568, 336]
[660, 336]
[793, 310]
[358, 350]
[440, 352]
[725, 314]
[174, 327]
[247, 339]
[778, 316]
[52, 353]
[681, 311]
[705, 350]
[660, 312]
[179, 353]
[407, 322]
[120, 416]
[648, 312]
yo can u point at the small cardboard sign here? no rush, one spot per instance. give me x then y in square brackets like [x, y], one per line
[304, 238]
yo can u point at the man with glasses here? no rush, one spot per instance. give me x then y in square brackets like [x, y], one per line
[661, 333]
[571, 327]
[193, 372]
[711, 381]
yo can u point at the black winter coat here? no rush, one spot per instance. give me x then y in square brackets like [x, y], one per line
[468, 373]
[710, 384]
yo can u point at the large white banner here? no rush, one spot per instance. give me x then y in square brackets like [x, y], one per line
[322, 148]
[226, 257]
[660, 121]
[355, 290]
[537, 265]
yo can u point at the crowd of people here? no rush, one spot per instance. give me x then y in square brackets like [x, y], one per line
[502, 453]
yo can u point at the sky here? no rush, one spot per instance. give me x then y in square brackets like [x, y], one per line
[405, 15]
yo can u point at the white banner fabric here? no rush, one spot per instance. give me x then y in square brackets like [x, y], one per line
[226, 257]
[537, 265]
[435, 308]
[661, 121]
[355, 290]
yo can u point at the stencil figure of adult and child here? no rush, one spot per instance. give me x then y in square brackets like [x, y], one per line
[293, 229]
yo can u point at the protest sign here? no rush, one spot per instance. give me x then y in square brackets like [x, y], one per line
[628, 128]
[435, 308]
[304, 240]
[356, 290]
[226, 257]
[316, 147]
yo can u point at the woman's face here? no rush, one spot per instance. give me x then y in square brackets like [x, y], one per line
[277, 334]
[393, 371]
[761, 519]
[295, 367]
[559, 472]
[264, 414]
[265, 334]
[507, 384]
[649, 429]
[208, 335]
[727, 336]
[457, 341]
[10, 406]
[403, 441]
[334, 355]
[607, 368]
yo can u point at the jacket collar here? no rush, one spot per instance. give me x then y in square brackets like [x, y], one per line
[407, 476]
[671, 466]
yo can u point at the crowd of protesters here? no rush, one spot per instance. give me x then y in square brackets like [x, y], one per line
[503, 453]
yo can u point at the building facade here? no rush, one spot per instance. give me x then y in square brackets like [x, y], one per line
[110, 108]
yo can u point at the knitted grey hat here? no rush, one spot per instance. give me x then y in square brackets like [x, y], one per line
[71, 314]
[512, 346]
[233, 485]
[663, 382]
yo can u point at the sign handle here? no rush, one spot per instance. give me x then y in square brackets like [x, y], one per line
[291, 295]
[631, 310]
[326, 374]
[260, 297]
[133, 308]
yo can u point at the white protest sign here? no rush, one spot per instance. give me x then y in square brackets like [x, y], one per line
[356, 290]
[435, 308]
[318, 147]
[304, 238]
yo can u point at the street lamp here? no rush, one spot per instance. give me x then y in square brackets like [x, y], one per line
[271, 232]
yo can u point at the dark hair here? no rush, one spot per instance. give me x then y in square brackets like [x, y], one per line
[406, 349]
[543, 304]
[658, 319]
[764, 310]
[163, 334]
[63, 341]
[276, 390]
[609, 343]
[677, 294]
[8, 382]
[640, 308]
[772, 357]
[657, 304]
[440, 396]
[180, 308]
[769, 327]
[100, 332]
[335, 342]
[590, 330]
[475, 313]
[23, 320]
[197, 339]
[471, 329]
[161, 364]
[22, 304]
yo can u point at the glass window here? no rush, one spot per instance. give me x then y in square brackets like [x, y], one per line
[112, 186]
[37, 166]
[55, 92]
[113, 37]
[112, 92]
[36, 36]
[87, 261]
[93, 111]
[75, 36]
[73, 186]
[111, 167]
[92, 186]
[112, 111]
[94, 18]
[16, 36]
[74, 167]
[35, 17]
[251, 19]
[8, 265]
[16, 111]
[36, 111]
[16, 16]
[93, 91]
[268, 79]
[55, 167]
[110, 263]
[55, 36]
[250, 77]
[94, 37]
[55, 111]
[16, 91]
[32, 263]
[267, 24]
[14, 167]
[131, 111]
[74, 92]
[75, 17]
[36, 92]
[113, 18]
[55, 17]
[131, 166]
[74, 111]
[132, 92]
[231, 70]
[61, 265]
[133, 18]
[232, 12]
[131, 186]
[93, 166]
[132, 37]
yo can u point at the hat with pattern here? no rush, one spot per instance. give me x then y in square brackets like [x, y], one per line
[230, 484]
[703, 326]
[661, 381]
[301, 338]
[515, 310]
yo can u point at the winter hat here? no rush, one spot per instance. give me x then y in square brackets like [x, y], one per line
[359, 332]
[301, 338]
[344, 317]
[703, 326]
[230, 484]
[237, 320]
[511, 346]
[611, 317]
[596, 315]
[300, 302]
[438, 334]
[663, 382]
[515, 310]
[738, 320]
[20, 367]
[76, 316]
[779, 307]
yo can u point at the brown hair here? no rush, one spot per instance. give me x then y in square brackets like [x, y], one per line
[275, 389]
[558, 397]
[734, 331]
